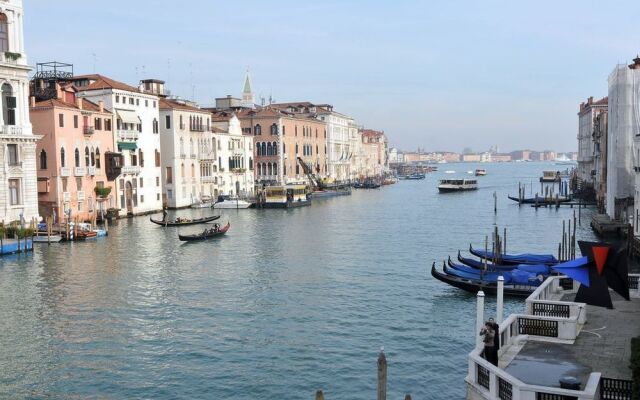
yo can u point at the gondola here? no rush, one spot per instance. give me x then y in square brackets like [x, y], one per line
[207, 234]
[185, 222]
[514, 259]
[479, 264]
[540, 200]
[537, 269]
[473, 285]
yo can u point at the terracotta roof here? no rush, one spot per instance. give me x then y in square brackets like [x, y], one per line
[166, 104]
[371, 133]
[273, 112]
[602, 101]
[86, 105]
[220, 116]
[102, 82]
[215, 129]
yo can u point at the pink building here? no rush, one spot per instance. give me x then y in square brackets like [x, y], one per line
[71, 155]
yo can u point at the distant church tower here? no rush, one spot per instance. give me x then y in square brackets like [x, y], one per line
[248, 100]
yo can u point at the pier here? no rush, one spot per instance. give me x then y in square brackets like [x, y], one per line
[556, 338]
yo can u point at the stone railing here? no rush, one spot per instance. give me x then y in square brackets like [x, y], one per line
[65, 171]
[485, 380]
[80, 171]
[543, 301]
[634, 285]
[127, 135]
[130, 169]
[11, 130]
[91, 171]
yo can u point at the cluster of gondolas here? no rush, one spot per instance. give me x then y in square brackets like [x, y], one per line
[522, 273]
[212, 230]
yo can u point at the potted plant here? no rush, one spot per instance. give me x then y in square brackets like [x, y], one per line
[102, 191]
[12, 56]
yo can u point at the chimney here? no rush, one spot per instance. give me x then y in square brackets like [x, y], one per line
[101, 105]
[58, 91]
[79, 102]
[32, 101]
[590, 100]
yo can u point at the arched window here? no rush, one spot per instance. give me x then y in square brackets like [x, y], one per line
[98, 157]
[269, 169]
[284, 148]
[274, 129]
[275, 148]
[43, 159]
[275, 168]
[62, 161]
[250, 162]
[93, 157]
[258, 149]
[269, 149]
[4, 33]
[264, 149]
[257, 129]
[86, 157]
[182, 170]
[77, 157]
[296, 148]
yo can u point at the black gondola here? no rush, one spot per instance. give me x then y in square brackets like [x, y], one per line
[207, 234]
[515, 259]
[185, 222]
[479, 264]
[473, 286]
[540, 200]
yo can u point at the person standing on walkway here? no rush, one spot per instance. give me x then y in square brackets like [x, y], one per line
[488, 337]
[496, 340]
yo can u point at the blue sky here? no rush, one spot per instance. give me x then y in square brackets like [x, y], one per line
[436, 75]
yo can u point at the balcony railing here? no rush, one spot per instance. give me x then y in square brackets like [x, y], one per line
[91, 171]
[80, 171]
[130, 169]
[88, 130]
[183, 155]
[197, 128]
[11, 130]
[127, 135]
[207, 179]
[65, 171]
[194, 155]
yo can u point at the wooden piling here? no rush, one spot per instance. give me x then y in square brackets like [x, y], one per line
[319, 395]
[563, 239]
[495, 202]
[382, 375]
[407, 397]
[504, 242]
[486, 249]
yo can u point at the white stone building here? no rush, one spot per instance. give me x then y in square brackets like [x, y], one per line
[589, 110]
[18, 190]
[137, 138]
[185, 131]
[235, 162]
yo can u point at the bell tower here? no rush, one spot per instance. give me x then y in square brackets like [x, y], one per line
[248, 99]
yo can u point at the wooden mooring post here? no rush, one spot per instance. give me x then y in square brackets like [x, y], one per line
[319, 395]
[495, 202]
[382, 375]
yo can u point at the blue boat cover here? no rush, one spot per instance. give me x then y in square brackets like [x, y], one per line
[577, 269]
[534, 268]
[519, 277]
[525, 257]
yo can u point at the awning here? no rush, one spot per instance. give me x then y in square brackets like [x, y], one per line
[128, 117]
[127, 146]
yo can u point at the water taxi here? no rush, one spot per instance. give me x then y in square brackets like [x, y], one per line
[284, 197]
[481, 172]
[456, 185]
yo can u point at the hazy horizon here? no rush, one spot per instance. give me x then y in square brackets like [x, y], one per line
[441, 76]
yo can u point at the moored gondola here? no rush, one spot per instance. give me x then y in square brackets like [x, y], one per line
[479, 264]
[474, 285]
[540, 200]
[206, 234]
[514, 259]
[184, 221]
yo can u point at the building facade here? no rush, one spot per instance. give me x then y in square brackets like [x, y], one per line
[586, 171]
[624, 93]
[136, 139]
[235, 158]
[375, 154]
[600, 159]
[18, 187]
[184, 132]
[77, 135]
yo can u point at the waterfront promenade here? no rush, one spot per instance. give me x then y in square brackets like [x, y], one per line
[288, 302]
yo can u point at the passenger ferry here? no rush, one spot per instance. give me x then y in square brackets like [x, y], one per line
[284, 197]
[481, 172]
[457, 185]
[550, 176]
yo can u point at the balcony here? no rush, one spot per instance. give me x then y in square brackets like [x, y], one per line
[183, 155]
[194, 155]
[81, 195]
[66, 196]
[11, 130]
[130, 169]
[91, 171]
[127, 135]
[197, 129]
[88, 130]
[207, 179]
[79, 171]
[10, 58]
[65, 171]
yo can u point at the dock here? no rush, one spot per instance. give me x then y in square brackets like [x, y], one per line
[603, 225]
[12, 246]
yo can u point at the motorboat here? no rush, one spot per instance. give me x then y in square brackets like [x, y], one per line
[231, 202]
[457, 185]
[481, 172]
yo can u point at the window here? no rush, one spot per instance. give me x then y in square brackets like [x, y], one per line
[62, 157]
[117, 99]
[193, 170]
[169, 175]
[158, 196]
[274, 129]
[283, 130]
[107, 124]
[157, 181]
[124, 100]
[8, 104]
[43, 159]
[64, 184]
[87, 163]
[146, 103]
[12, 149]
[137, 102]
[14, 191]
[167, 122]
[154, 104]
[155, 125]
[98, 158]
[141, 158]
[98, 124]
[141, 183]
[258, 130]
[61, 120]
[4, 33]
[75, 121]
[131, 100]
[182, 170]
[78, 183]
[77, 157]
[93, 158]
[157, 158]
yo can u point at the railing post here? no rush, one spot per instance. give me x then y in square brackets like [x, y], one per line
[479, 318]
[500, 299]
[382, 375]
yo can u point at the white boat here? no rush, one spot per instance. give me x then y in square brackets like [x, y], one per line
[481, 172]
[457, 185]
[45, 239]
[230, 202]
[205, 202]
[450, 171]
[469, 172]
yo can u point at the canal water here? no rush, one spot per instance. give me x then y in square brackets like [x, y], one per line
[287, 303]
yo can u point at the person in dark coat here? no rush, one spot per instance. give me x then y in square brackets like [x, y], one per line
[488, 338]
[496, 341]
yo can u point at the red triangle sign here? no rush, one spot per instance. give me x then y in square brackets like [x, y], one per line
[600, 257]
